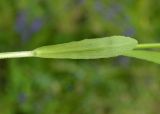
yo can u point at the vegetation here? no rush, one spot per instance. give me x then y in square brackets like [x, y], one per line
[114, 85]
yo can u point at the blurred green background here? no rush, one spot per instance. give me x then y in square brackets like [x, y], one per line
[57, 86]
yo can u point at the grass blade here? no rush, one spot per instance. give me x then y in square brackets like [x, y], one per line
[144, 55]
[88, 48]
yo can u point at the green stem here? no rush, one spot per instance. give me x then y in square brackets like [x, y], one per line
[16, 54]
[153, 45]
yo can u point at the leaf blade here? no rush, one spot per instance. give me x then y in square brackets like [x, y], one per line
[144, 55]
[88, 48]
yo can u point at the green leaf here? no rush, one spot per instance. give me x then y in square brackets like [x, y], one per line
[88, 48]
[144, 55]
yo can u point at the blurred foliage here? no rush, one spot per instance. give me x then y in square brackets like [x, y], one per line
[105, 86]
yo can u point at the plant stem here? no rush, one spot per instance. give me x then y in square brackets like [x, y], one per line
[16, 54]
[152, 45]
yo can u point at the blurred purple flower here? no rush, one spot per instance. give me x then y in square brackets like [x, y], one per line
[36, 25]
[25, 29]
[80, 2]
[108, 12]
[99, 6]
[130, 31]
[21, 22]
[123, 61]
[22, 98]
[113, 11]
[21, 25]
